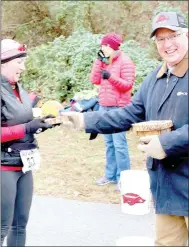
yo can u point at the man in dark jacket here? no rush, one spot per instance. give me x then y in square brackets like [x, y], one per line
[163, 95]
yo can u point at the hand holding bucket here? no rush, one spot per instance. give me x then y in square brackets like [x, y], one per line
[149, 137]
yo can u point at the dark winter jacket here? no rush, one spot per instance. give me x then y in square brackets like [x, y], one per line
[15, 113]
[158, 100]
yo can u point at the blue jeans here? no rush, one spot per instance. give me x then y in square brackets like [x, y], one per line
[117, 154]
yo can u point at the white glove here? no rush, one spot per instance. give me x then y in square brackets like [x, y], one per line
[151, 146]
[74, 120]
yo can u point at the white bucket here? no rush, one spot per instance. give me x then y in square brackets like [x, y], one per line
[135, 192]
[135, 241]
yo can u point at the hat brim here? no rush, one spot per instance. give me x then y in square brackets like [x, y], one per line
[9, 58]
[173, 28]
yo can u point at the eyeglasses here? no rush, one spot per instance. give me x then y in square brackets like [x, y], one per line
[22, 48]
[173, 37]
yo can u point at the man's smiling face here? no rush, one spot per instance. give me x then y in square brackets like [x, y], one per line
[172, 46]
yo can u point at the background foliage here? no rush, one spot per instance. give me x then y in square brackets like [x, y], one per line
[61, 68]
[63, 38]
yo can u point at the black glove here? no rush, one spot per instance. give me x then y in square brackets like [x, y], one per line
[101, 55]
[36, 126]
[105, 74]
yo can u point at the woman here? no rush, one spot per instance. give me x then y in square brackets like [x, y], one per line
[115, 73]
[17, 140]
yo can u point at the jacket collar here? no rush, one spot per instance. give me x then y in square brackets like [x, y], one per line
[116, 56]
[4, 79]
[6, 84]
[179, 70]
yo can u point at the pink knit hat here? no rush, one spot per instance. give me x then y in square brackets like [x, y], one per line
[113, 40]
[11, 49]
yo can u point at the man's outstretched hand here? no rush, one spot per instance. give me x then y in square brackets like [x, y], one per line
[73, 120]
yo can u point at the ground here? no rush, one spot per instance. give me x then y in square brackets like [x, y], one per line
[71, 163]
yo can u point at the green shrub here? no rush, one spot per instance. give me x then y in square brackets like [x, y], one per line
[140, 56]
[61, 68]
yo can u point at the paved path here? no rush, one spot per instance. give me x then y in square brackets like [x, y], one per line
[62, 222]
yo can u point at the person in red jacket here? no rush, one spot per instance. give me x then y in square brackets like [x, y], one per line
[19, 149]
[114, 72]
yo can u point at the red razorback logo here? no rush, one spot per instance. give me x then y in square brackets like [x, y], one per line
[162, 18]
[132, 198]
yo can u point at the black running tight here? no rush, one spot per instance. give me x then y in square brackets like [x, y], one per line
[16, 198]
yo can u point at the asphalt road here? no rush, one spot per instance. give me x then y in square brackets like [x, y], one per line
[62, 222]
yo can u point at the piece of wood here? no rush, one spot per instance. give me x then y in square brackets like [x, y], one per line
[152, 127]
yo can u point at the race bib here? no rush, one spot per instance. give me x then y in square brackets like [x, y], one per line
[30, 159]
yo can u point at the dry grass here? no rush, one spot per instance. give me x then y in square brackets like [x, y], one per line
[71, 164]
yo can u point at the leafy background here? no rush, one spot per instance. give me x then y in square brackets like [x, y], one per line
[63, 39]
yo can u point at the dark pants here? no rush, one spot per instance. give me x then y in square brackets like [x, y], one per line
[16, 198]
